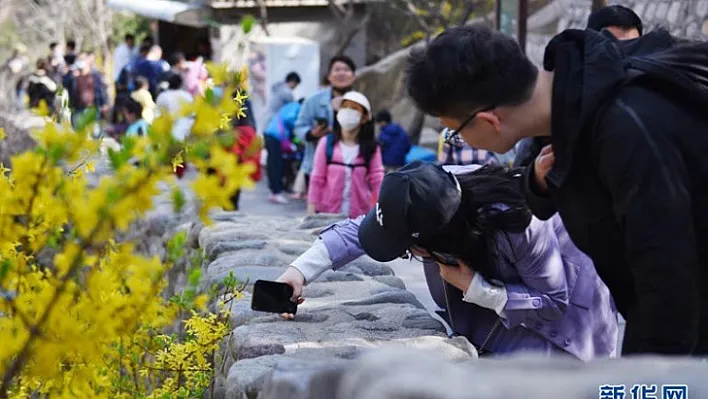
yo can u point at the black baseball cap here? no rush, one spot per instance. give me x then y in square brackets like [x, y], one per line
[414, 203]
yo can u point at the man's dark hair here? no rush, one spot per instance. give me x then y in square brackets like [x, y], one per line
[41, 64]
[71, 45]
[293, 77]
[145, 48]
[53, 45]
[617, 15]
[383, 116]
[129, 36]
[132, 107]
[177, 57]
[467, 68]
[344, 59]
[142, 81]
[174, 81]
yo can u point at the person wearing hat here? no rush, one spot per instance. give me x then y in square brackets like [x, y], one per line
[508, 282]
[348, 169]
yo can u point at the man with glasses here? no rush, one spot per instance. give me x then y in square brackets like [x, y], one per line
[629, 175]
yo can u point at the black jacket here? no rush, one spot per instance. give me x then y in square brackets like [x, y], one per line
[630, 181]
[656, 40]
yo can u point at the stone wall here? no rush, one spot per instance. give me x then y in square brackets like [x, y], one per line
[346, 313]
[361, 335]
[17, 128]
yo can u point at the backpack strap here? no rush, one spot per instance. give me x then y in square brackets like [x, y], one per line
[330, 152]
[330, 147]
[348, 165]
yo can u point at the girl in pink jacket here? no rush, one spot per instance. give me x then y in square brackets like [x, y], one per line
[347, 171]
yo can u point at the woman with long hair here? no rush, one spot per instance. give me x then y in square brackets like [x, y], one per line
[348, 168]
[507, 281]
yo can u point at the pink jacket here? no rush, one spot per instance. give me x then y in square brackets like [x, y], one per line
[327, 182]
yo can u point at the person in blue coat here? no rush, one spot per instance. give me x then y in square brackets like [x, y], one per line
[279, 142]
[394, 141]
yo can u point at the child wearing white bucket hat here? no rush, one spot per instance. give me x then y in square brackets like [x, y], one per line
[348, 169]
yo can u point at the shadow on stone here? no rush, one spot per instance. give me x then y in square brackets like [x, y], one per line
[398, 296]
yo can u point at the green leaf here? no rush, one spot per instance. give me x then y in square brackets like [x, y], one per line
[178, 200]
[55, 152]
[4, 268]
[194, 276]
[247, 23]
[175, 246]
[210, 97]
[227, 140]
[115, 158]
[113, 194]
[200, 150]
[189, 295]
[86, 119]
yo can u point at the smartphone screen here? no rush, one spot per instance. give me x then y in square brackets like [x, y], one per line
[273, 297]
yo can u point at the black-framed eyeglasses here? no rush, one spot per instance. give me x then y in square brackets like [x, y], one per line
[452, 137]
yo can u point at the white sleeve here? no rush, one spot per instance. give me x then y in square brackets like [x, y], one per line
[489, 296]
[313, 262]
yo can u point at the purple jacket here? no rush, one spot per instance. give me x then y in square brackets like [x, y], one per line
[556, 301]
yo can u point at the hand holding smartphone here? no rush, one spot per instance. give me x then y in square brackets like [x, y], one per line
[273, 297]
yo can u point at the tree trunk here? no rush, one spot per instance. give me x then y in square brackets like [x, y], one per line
[264, 16]
[416, 128]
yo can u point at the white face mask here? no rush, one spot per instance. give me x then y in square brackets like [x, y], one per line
[348, 119]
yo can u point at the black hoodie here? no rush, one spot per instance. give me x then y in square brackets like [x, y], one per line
[652, 42]
[630, 181]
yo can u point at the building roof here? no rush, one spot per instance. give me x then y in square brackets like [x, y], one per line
[279, 3]
[179, 12]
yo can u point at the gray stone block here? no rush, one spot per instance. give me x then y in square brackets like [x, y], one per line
[320, 220]
[389, 296]
[222, 247]
[391, 281]
[242, 273]
[369, 267]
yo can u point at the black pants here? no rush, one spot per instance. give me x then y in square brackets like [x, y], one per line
[235, 198]
[274, 165]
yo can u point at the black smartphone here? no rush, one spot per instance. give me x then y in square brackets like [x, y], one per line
[273, 297]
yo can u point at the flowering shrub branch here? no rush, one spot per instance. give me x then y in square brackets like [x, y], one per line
[94, 322]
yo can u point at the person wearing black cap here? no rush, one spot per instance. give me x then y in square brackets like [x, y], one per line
[510, 282]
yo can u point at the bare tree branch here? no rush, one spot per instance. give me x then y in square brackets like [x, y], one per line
[349, 36]
[469, 9]
[264, 16]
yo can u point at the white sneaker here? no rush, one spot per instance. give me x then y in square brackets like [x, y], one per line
[277, 198]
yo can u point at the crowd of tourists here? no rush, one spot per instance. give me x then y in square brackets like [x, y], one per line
[600, 216]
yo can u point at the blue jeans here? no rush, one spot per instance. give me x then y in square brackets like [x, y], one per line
[274, 164]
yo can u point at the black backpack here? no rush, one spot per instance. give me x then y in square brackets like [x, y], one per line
[684, 67]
